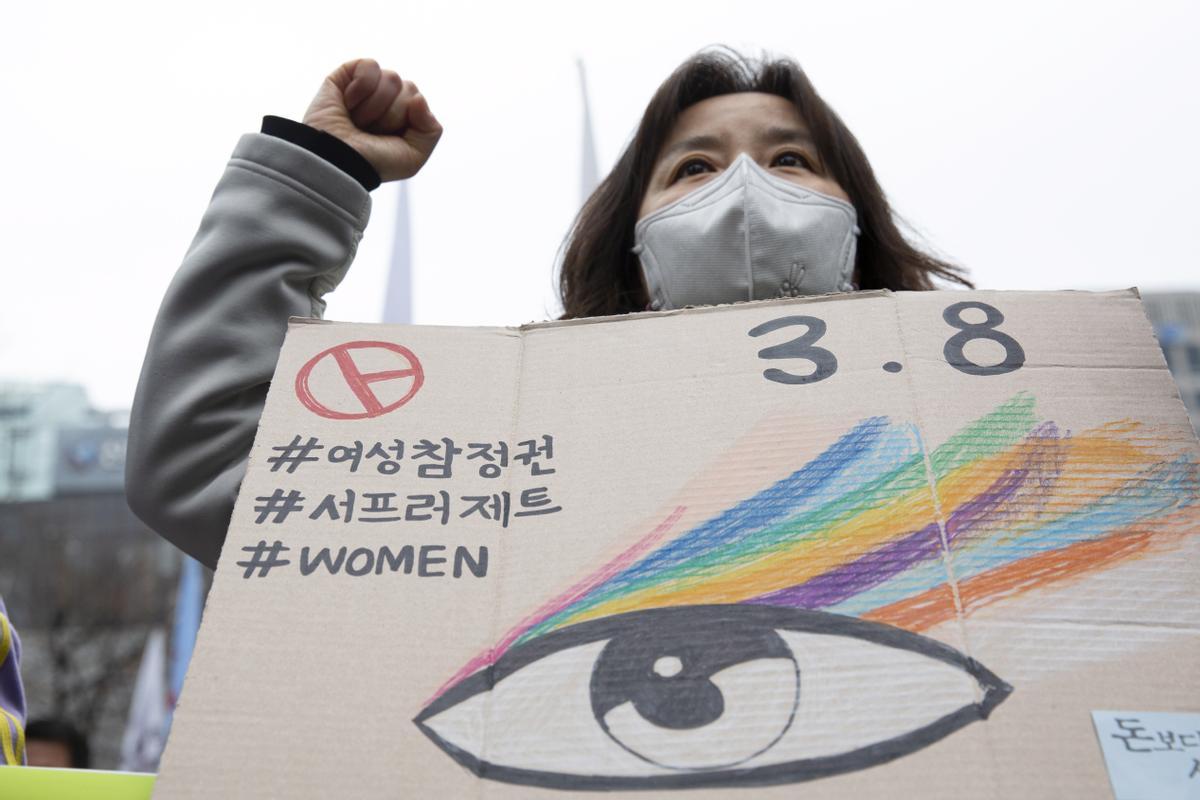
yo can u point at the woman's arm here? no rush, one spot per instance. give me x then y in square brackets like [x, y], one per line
[279, 233]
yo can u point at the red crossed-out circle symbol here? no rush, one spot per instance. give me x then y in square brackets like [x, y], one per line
[408, 368]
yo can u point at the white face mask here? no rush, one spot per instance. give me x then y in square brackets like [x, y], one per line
[746, 235]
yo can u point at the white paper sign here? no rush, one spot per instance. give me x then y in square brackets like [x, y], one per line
[1150, 755]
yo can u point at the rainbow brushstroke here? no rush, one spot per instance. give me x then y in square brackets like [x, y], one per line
[875, 527]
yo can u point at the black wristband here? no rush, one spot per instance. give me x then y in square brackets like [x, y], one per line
[325, 145]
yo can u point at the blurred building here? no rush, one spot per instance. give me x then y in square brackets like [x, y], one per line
[30, 416]
[84, 580]
[1176, 320]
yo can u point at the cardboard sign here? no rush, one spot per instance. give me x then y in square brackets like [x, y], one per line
[881, 545]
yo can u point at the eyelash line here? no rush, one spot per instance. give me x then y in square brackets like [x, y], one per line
[677, 173]
[809, 163]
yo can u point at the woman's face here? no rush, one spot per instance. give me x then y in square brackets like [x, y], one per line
[710, 135]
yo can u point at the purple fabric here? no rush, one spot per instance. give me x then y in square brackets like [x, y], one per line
[12, 693]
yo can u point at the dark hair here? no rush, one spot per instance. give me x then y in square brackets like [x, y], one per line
[66, 734]
[599, 273]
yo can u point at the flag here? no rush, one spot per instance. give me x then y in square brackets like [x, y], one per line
[397, 305]
[145, 731]
[189, 601]
[589, 174]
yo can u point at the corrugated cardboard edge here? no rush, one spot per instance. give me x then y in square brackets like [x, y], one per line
[692, 310]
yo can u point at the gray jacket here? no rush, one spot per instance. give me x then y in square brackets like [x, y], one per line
[281, 230]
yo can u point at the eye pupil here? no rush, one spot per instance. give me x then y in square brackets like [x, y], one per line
[680, 703]
[672, 679]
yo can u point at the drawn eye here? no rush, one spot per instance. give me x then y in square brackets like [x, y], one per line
[718, 695]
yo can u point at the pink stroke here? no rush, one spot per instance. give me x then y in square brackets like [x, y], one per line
[556, 604]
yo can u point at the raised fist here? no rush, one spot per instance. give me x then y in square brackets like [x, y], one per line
[385, 118]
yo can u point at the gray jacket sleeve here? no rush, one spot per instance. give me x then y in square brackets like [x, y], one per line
[280, 232]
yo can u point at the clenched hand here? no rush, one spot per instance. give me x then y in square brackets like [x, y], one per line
[382, 116]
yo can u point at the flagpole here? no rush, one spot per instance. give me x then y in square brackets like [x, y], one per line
[397, 307]
[589, 175]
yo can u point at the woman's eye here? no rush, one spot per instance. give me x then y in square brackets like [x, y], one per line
[692, 167]
[798, 160]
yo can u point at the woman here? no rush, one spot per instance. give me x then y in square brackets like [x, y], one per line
[739, 184]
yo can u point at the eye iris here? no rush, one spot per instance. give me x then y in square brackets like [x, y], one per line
[653, 689]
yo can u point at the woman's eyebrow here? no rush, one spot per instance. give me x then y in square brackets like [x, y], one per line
[703, 141]
[781, 135]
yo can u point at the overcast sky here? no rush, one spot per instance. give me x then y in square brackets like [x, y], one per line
[1042, 145]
